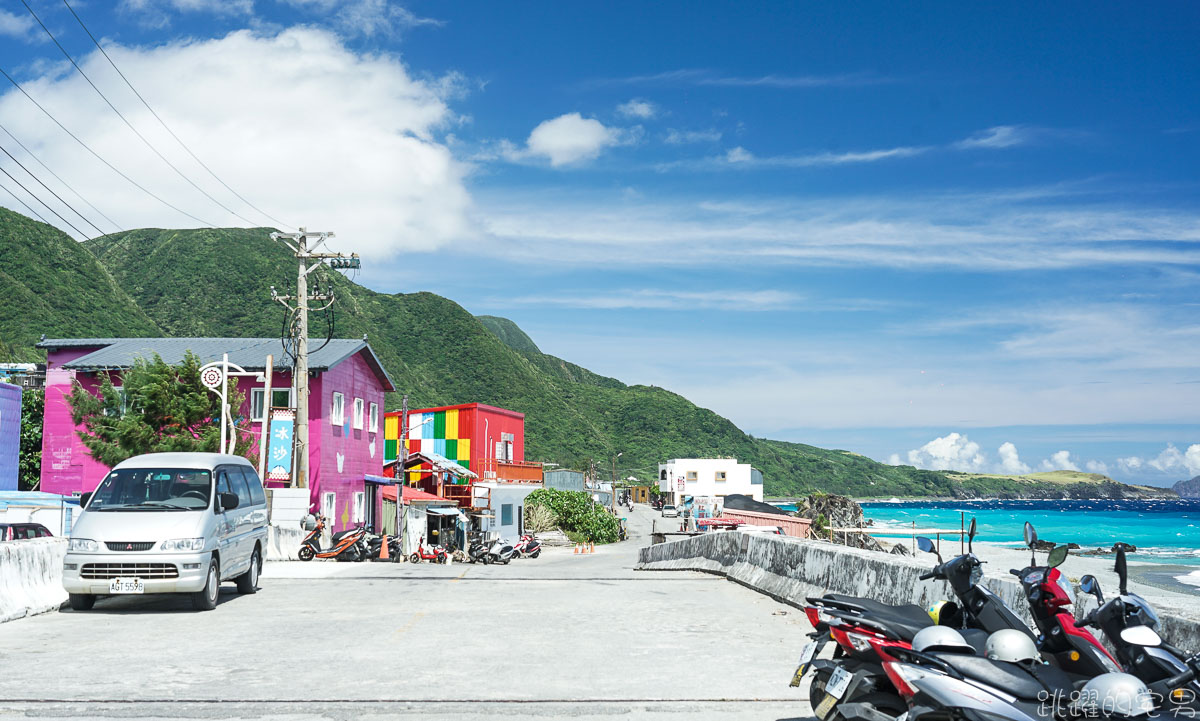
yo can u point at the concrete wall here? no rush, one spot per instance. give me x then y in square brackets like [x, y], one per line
[789, 570]
[283, 542]
[31, 577]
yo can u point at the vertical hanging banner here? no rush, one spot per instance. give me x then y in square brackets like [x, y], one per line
[279, 445]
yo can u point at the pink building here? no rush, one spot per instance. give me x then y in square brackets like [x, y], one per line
[346, 392]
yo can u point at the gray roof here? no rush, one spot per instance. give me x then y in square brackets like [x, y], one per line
[249, 353]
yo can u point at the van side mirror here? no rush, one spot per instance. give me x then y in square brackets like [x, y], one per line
[84, 499]
[229, 501]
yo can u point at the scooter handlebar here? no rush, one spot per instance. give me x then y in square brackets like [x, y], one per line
[927, 576]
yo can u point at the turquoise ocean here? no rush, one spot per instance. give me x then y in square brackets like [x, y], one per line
[1165, 532]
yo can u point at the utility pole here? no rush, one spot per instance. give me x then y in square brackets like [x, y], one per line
[298, 242]
[401, 480]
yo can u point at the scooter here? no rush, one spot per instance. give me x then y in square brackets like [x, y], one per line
[436, 554]
[500, 552]
[527, 546]
[348, 545]
[1129, 622]
[375, 548]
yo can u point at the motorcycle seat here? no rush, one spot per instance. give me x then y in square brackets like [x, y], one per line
[901, 622]
[342, 534]
[1020, 680]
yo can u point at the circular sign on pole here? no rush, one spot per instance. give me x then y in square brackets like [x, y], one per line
[211, 377]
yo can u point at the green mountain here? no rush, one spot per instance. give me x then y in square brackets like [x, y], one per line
[216, 283]
[53, 285]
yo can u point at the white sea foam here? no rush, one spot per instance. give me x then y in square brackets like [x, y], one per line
[1192, 579]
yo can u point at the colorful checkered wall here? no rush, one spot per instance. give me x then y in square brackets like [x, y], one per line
[436, 432]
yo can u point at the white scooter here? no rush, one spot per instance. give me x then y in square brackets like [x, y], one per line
[501, 552]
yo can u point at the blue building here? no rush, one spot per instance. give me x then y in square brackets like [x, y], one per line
[10, 435]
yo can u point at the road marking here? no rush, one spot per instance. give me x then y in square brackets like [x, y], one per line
[415, 617]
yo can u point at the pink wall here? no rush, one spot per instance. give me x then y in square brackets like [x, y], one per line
[360, 451]
[68, 468]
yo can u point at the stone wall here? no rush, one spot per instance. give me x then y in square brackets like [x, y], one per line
[31, 577]
[790, 570]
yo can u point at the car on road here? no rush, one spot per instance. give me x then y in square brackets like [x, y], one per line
[21, 531]
[169, 523]
[750, 528]
[669, 511]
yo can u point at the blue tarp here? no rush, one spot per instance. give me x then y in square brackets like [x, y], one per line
[10, 435]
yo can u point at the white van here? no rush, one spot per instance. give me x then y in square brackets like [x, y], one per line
[169, 523]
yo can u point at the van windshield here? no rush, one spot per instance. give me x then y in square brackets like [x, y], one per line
[153, 489]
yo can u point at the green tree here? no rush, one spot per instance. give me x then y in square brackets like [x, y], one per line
[575, 513]
[159, 408]
[29, 466]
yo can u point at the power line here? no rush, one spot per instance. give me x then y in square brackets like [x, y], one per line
[48, 188]
[88, 148]
[125, 120]
[47, 207]
[23, 204]
[164, 124]
[56, 177]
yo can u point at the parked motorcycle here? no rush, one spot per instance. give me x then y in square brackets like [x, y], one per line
[435, 554]
[348, 545]
[374, 545]
[500, 552]
[528, 545]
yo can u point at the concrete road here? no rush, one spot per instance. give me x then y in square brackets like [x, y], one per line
[561, 636]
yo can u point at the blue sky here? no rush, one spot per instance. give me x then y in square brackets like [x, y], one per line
[948, 235]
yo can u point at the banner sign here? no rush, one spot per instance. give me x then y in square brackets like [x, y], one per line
[279, 445]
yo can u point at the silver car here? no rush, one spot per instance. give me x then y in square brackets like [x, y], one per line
[169, 523]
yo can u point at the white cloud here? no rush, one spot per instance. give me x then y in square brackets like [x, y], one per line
[1170, 460]
[739, 157]
[1010, 460]
[567, 139]
[157, 13]
[1059, 461]
[311, 132]
[757, 300]
[1096, 467]
[366, 17]
[1000, 136]
[682, 137]
[954, 452]
[639, 109]
[16, 26]
[693, 76]
[894, 460]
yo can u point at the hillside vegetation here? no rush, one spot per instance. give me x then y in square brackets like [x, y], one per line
[216, 283]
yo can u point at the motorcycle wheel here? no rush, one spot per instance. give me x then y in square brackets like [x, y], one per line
[516, 554]
[487, 560]
[505, 562]
[306, 553]
[414, 558]
[816, 687]
[536, 553]
[888, 703]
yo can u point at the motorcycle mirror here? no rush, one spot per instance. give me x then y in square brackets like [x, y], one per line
[1030, 534]
[1122, 569]
[971, 536]
[1141, 636]
[1089, 584]
[1056, 557]
[925, 544]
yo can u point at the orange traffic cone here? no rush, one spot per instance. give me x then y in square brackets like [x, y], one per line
[383, 550]
[576, 548]
[591, 548]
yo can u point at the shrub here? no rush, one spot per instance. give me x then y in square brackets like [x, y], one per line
[575, 513]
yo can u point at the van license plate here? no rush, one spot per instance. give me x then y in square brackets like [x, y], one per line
[126, 585]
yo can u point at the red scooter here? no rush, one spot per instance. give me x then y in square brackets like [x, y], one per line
[348, 545]
[527, 546]
[437, 554]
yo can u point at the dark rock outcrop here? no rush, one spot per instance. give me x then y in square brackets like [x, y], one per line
[829, 511]
[1188, 489]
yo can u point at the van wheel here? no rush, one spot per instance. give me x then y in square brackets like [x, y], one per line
[82, 601]
[206, 598]
[248, 581]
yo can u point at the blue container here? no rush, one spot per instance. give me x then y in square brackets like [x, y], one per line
[10, 435]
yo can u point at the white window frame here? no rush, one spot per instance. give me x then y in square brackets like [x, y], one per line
[337, 409]
[373, 418]
[720, 476]
[329, 505]
[691, 477]
[356, 420]
[261, 394]
[360, 507]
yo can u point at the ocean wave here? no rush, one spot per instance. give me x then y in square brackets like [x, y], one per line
[1192, 579]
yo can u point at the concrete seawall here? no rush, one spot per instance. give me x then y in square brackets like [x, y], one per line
[31, 577]
[789, 570]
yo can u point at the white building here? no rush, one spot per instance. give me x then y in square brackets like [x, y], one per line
[708, 478]
[503, 506]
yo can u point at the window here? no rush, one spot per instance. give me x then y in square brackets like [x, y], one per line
[256, 490]
[691, 476]
[280, 398]
[337, 410]
[222, 487]
[506, 513]
[373, 419]
[360, 505]
[122, 404]
[719, 476]
[237, 482]
[357, 418]
[328, 504]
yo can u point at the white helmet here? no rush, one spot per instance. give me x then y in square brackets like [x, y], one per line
[1116, 694]
[1009, 644]
[940, 638]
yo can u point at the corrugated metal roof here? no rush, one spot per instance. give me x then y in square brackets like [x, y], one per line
[249, 353]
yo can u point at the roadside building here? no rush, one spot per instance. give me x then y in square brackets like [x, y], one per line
[427, 519]
[10, 435]
[708, 478]
[346, 391]
[564, 480]
[499, 507]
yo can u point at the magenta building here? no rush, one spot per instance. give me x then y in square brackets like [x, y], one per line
[346, 391]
